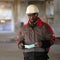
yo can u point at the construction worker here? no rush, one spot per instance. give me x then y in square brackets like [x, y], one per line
[35, 37]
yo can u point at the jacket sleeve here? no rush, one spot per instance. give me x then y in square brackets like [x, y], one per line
[20, 37]
[49, 37]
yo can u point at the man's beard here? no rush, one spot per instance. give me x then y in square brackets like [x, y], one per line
[33, 24]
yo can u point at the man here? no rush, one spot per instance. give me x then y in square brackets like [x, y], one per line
[35, 37]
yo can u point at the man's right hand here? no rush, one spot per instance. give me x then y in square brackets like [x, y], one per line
[21, 46]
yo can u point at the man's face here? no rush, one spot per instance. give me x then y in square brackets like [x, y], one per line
[33, 17]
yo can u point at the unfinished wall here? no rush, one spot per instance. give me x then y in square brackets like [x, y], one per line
[56, 23]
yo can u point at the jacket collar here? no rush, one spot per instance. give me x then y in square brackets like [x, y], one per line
[39, 22]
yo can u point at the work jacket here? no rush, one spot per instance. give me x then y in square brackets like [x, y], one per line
[42, 32]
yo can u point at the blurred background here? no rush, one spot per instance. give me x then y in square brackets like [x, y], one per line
[12, 17]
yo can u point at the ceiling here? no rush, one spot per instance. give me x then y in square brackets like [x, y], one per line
[6, 0]
[22, 0]
[32, 0]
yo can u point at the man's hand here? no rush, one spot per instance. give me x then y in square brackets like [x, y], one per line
[38, 44]
[21, 46]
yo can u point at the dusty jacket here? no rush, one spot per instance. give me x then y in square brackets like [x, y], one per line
[41, 32]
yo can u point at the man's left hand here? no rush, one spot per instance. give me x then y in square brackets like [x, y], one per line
[38, 44]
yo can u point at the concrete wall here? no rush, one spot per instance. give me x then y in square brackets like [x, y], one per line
[56, 22]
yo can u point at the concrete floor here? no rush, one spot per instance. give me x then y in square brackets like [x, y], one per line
[10, 51]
